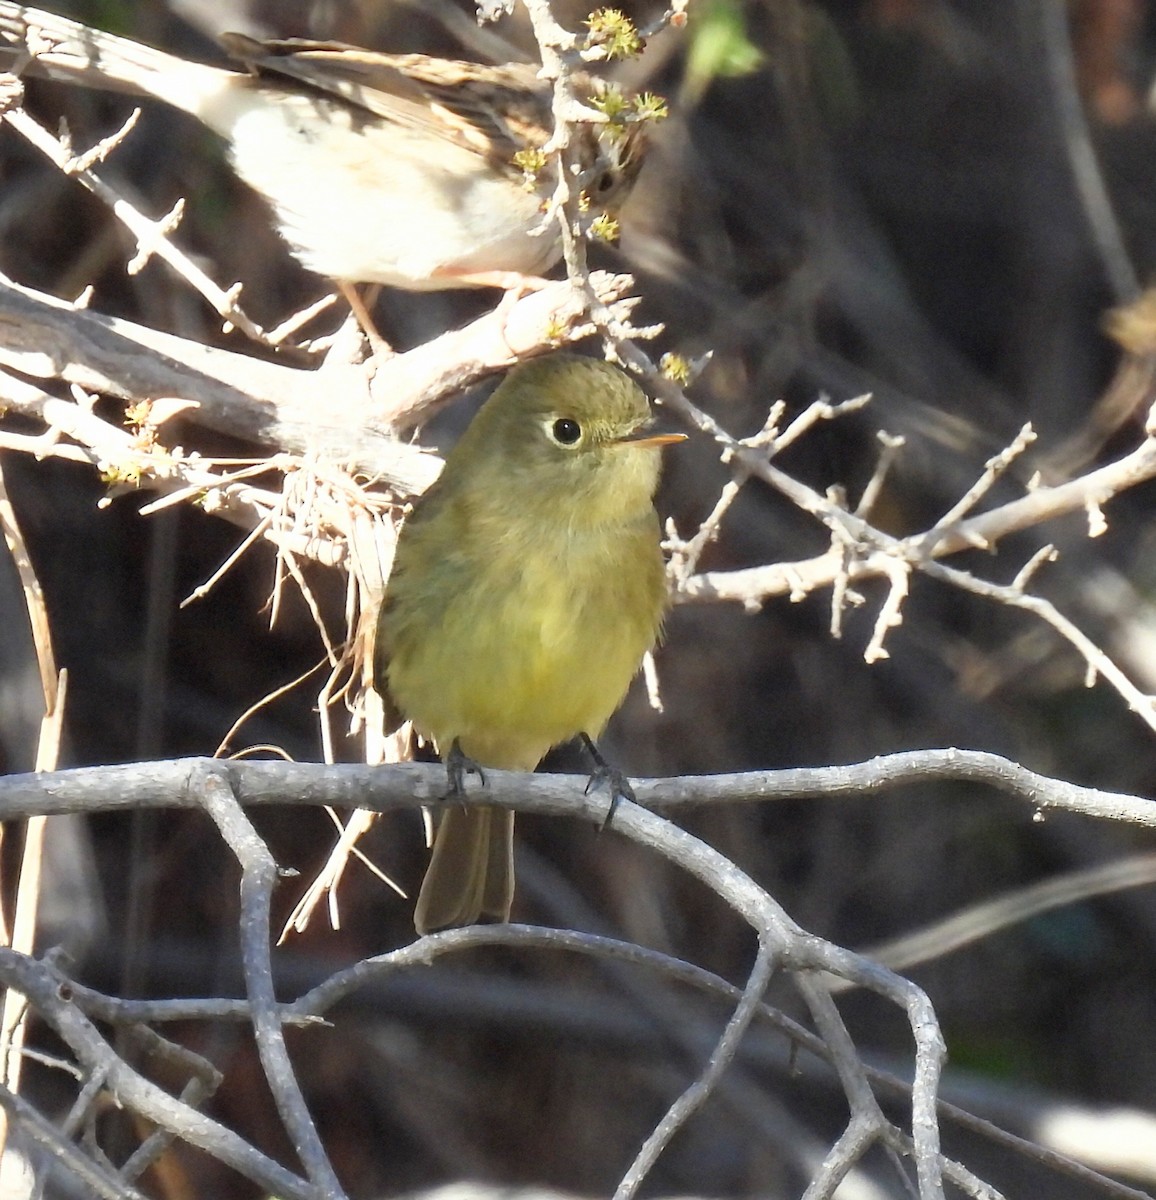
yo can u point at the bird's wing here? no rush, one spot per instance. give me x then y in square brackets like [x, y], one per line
[494, 111]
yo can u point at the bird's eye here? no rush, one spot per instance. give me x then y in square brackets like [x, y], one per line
[604, 183]
[565, 431]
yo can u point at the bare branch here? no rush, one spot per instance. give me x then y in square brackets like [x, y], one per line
[798, 953]
[984, 531]
[410, 785]
[859, 1136]
[44, 1134]
[891, 446]
[258, 878]
[204, 1081]
[131, 1089]
[697, 1094]
[994, 469]
[337, 410]
[891, 613]
[308, 1007]
[1143, 705]
[151, 236]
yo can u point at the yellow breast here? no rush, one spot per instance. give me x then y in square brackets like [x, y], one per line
[520, 651]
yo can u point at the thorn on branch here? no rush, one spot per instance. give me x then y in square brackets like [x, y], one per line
[1044, 554]
[102, 149]
[1097, 522]
[149, 240]
[891, 447]
[891, 614]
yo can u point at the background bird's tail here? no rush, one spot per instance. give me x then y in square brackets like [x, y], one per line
[44, 44]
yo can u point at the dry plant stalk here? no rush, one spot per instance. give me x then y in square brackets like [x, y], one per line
[21, 935]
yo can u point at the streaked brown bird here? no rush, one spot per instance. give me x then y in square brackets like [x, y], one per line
[381, 168]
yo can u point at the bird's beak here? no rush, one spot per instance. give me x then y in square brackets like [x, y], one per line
[656, 439]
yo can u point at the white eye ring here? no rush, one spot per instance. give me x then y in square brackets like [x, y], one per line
[563, 431]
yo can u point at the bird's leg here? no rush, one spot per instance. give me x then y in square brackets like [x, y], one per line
[378, 346]
[458, 766]
[616, 783]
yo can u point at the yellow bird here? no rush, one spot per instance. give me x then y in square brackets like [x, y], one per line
[527, 585]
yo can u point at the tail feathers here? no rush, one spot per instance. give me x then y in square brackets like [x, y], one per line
[51, 46]
[471, 873]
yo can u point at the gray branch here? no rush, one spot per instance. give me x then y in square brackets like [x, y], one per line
[224, 788]
[258, 879]
[342, 409]
[165, 784]
[132, 1090]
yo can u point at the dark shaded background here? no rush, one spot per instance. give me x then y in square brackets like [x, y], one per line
[887, 204]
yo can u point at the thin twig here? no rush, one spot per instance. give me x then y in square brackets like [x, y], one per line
[133, 1091]
[890, 452]
[258, 879]
[983, 531]
[993, 470]
[151, 236]
[697, 1094]
[1098, 663]
[64, 1152]
[204, 1080]
[891, 611]
[854, 1142]
[979, 921]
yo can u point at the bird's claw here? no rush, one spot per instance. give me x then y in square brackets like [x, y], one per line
[616, 783]
[618, 786]
[458, 766]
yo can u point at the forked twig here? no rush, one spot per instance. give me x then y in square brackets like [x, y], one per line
[721, 1059]
[151, 236]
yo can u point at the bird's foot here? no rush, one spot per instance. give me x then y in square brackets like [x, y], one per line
[359, 306]
[458, 766]
[605, 775]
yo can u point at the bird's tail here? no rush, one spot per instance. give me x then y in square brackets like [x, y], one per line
[44, 44]
[471, 873]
